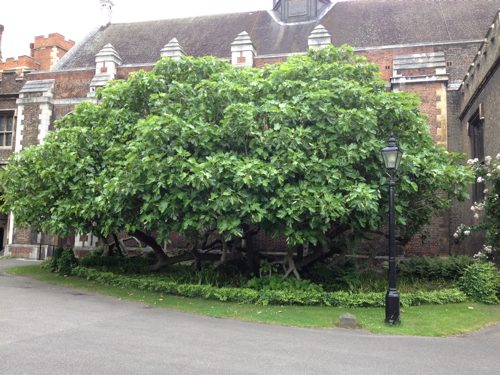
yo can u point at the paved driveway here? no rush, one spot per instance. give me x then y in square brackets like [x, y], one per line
[46, 329]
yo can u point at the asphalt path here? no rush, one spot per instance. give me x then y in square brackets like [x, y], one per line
[48, 329]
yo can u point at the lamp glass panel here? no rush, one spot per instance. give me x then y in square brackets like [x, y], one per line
[390, 158]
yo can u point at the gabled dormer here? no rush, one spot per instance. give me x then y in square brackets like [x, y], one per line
[293, 11]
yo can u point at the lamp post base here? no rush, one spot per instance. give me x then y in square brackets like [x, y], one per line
[392, 306]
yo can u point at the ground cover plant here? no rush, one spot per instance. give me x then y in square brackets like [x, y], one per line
[271, 287]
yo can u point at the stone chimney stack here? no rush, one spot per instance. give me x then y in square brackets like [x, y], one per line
[173, 50]
[107, 62]
[319, 38]
[242, 50]
[1, 32]
[106, 11]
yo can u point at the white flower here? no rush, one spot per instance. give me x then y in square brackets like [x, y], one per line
[455, 235]
[487, 160]
[467, 232]
[476, 216]
[480, 179]
[473, 208]
[498, 167]
[487, 249]
[488, 175]
[470, 161]
[498, 156]
[485, 191]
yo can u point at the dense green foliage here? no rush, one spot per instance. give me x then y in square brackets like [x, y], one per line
[62, 261]
[135, 265]
[266, 296]
[277, 282]
[199, 147]
[426, 268]
[52, 264]
[344, 277]
[481, 282]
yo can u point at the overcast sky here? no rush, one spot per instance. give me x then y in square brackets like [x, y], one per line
[23, 20]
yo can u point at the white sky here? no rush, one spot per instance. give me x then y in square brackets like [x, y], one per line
[25, 19]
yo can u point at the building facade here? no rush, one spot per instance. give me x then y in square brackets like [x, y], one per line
[424, 47]
[45, 52]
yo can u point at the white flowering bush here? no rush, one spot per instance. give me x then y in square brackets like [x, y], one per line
[488, 210]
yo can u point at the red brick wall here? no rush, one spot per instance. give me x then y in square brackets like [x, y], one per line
[54, 39]
[123, 73]
[428, 95]
[42, 49]
[30, 122]
[22, 61]
[385, 57]
[69, 84]
[22, 236]
[261, 62]
[20, 251]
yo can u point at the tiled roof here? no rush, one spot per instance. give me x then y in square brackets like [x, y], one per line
[357, 23]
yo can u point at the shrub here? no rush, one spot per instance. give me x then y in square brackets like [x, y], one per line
[224, 276]
[67, 262]
[345, 277]
[277, 282]
[481, 282]
[435, 268]
[52, 264]
[264, 297]
[132, 265]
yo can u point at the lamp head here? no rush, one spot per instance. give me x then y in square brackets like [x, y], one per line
[392, 155]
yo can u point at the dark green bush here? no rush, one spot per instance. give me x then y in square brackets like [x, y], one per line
[67, 262]
[277, 282]
[481, 282]
[225, 276]
[52, 264]
[129, 265]
[344, 277]
[434, 268]
[265, 297]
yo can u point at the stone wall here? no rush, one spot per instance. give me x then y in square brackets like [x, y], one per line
[480, 87]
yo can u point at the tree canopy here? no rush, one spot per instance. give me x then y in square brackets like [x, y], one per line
[200, 147]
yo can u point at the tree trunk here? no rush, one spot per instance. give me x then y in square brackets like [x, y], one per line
[253, 259]
[105, 246]
[117, 245]
[151, 242]
[225, 258]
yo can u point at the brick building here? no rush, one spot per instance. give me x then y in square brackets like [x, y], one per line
[424, 47]
[45, 52]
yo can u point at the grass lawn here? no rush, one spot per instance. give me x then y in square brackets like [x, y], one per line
[426, 320]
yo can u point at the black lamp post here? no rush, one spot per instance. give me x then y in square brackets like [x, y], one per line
[392, 157]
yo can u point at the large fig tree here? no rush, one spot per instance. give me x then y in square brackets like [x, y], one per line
[207, 150]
